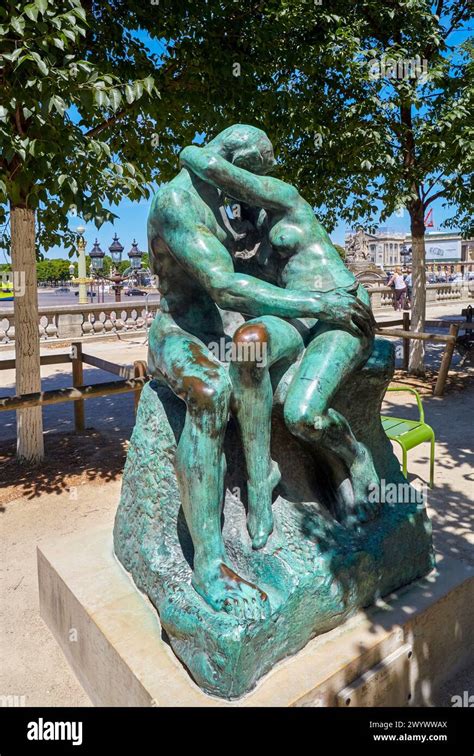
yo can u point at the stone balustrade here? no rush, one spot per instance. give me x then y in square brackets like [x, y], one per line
[448, 291]
[78, 322]
[382, 296]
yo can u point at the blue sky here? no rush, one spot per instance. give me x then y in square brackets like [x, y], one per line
[131, 224]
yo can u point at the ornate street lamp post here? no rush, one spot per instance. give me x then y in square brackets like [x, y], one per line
[405, 253]
[81, 265]
[97, 264]
[135, 256]
[82, 279]
[97, 258]
[116, 250]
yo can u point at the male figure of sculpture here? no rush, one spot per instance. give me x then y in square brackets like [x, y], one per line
[189, 244]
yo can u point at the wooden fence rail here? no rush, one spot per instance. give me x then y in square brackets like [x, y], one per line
[385, 329]
[56, 396]
[134, 377]
[46, 359]
[398, 334]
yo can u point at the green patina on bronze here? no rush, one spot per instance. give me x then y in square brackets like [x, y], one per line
[300, 544]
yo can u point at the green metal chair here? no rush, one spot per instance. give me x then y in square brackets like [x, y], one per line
[410, 433]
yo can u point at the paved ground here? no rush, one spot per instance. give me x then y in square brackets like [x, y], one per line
[34, 666]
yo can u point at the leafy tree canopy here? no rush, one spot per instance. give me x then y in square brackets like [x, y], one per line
[53, 96]
[90, 113]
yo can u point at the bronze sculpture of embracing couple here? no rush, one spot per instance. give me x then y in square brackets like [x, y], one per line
[306, 340]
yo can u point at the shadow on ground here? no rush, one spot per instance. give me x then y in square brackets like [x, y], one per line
[71, 459]
[107, 413]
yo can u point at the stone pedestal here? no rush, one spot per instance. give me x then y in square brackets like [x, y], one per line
[395, 653]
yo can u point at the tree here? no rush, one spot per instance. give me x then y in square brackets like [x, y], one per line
[368, 107]
[341, 251]
[52, 271]
[54, 157]
[388, 125]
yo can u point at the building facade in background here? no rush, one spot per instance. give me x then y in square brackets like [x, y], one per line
[384, 247]
[446, 251]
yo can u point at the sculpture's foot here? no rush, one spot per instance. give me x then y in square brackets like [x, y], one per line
[364, 478]
[260, 515]
[354, 502]
[224, 590]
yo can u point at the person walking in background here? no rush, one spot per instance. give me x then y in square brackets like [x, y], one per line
[400, 289]
[409, 285]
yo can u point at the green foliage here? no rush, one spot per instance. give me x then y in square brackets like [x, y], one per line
[56, 153]
[107, 265]
[82, 124]
[53, 271]
[122, 266]
[351, 142]
[341, 251]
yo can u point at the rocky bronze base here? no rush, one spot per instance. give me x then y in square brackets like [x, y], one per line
[315, 571]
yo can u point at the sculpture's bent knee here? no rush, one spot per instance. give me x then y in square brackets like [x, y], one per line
[250, 345]
[208, 395]
[306, 424]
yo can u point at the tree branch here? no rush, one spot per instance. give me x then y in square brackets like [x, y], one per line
[105, 124]
[439, 8]
[434, 197]
[432, 184]
[121, 113]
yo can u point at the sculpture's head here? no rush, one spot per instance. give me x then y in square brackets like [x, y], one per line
[245, 146]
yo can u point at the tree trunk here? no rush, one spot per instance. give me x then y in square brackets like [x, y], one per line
[418, 311]
[29, 423]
